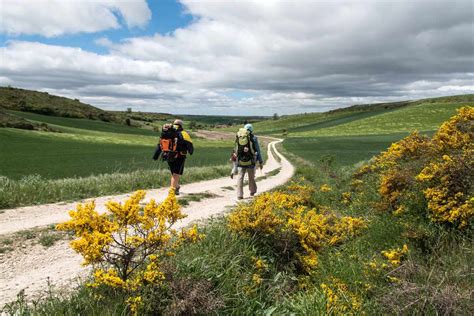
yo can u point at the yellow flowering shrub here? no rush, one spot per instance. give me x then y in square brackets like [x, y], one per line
[449, 179]
[439, 169]
[339, 299]
[412, 147]
[284, 221]
[457, 133]
[125, 246]
[449, 192]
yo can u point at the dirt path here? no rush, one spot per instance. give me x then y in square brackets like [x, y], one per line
[30, 267]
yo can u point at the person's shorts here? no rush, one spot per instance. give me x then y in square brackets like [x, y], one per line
[177, 165]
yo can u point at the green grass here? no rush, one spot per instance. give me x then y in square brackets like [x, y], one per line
[49, 239]
[195, 197]
[422, 117]
[87, 147]
[85, 124]
[37, 190]
[29, 153]
[382, 118]
[342, 150]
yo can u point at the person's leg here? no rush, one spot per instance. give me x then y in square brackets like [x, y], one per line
[175, 180]
[240, 183]
[176, 168]
[252, 183]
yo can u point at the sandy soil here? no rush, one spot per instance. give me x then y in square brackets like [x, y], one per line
[30, 268]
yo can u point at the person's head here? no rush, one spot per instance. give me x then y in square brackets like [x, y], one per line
[249, 127]
[178, 123]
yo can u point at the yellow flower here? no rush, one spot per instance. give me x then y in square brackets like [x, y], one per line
[394, 256]
[393, 279]
[325, 188]
[257, 279]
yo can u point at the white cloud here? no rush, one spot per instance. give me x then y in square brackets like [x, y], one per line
[57, 17]
[283, 56]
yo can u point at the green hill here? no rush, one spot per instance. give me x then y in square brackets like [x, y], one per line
[422, 117]
[47, 104]
[425, 114]
[347, 136]
[29, 101]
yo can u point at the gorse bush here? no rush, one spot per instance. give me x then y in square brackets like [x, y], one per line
[285, 222]
[435, 174]
[125, 247]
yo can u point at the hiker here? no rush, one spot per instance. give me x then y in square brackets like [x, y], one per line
[248, 153]
[174, 145]
[235, 164]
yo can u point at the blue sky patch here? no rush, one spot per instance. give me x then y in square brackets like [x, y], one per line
[167, 16]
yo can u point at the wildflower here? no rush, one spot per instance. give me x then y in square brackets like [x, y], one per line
[394, 256]
[260, 264]
[325, 188]
[346, 197]
[257, 279]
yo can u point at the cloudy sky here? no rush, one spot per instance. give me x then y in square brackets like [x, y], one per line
[238, 57]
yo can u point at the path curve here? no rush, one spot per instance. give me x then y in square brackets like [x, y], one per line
[30, 268]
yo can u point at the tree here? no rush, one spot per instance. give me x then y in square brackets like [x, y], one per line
[192, 125]
[275, 116]
[129, 110]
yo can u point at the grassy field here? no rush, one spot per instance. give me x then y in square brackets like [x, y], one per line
[383, 118]
[421, 117]
[342, 150]
[85, 147]
[357, 136]
[63, 123]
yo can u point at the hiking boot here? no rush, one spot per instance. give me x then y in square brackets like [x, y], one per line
[252, 194]
[232, 175]
[240, 198]
[176, 191]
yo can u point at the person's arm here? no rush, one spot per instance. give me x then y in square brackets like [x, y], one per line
[257, 148]
[188, 142]
[157, 152]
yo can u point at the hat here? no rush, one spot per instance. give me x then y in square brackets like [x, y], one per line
[178, 122]
[249, 127]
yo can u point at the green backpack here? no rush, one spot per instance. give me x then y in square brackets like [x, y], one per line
[245, 148]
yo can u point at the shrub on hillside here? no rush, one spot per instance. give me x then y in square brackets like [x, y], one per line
[284, 222]
[126, 247]
[433, 174]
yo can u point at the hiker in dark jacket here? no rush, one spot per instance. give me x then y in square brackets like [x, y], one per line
[248, 166]
[177, 158]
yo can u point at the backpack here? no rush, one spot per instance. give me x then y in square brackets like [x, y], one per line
[169, 142]
[245, 148]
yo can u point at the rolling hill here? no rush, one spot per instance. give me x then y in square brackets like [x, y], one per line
[47, 104]
[307, 124]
